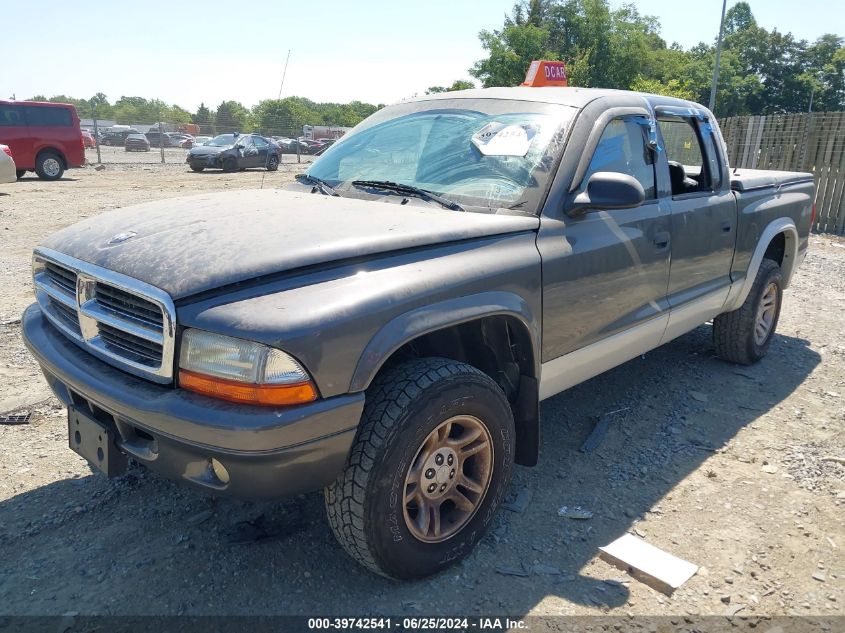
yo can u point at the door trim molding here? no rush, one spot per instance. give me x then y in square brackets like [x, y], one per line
[575, 367]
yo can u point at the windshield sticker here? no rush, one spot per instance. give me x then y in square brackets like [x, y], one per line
[504, 139]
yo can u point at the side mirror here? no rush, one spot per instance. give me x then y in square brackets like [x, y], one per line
[608, 190]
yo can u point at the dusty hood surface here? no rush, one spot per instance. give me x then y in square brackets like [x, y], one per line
[188, 245]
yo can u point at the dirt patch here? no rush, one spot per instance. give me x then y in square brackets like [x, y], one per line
[725, 466]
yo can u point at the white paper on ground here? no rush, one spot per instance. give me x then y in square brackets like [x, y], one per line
[649, 560]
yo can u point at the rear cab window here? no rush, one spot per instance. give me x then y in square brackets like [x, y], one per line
[694, 164]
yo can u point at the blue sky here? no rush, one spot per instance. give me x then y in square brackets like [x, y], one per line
[376, 51]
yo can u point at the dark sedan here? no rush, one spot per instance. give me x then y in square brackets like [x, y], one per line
[136, 143]
[232, 152]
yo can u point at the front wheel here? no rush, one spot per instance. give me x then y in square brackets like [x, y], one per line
[744, 335]
[49, 166]
[230, 165]
[197, 167]
[428, 470]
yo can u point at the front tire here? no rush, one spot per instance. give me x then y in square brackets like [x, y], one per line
[230, 165]
[429, 468]
[49, 166]
[197, 168]
[744, 335]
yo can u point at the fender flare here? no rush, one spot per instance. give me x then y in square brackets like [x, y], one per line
[790, 259]
[430, 318]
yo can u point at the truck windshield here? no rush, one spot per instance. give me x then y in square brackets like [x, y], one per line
[480, 152]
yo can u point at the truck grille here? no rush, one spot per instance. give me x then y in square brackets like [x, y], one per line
[129, 306]
[119, 319]
[130, 346]
[62, 277]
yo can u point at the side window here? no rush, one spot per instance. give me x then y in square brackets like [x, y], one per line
[48, 117]
[622, 148]
[259, 142]
[691, 153]
[11, 115]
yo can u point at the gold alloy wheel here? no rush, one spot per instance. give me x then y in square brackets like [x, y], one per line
[766, 314]
[448, 479]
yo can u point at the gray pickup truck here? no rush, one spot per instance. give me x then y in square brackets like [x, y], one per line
[386, 327]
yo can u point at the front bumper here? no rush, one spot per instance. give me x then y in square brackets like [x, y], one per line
[209, 161]
[268, 453]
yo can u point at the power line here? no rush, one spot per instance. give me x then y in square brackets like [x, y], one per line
[284, 72]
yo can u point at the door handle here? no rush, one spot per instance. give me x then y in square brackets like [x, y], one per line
[661, 240]
[726, 227]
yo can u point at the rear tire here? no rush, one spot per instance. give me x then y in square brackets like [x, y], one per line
[273, 163]
[428, 470]
[744, 335]
[49, 166]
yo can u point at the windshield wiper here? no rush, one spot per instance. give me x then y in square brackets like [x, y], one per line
[319, 185]
[408, 190]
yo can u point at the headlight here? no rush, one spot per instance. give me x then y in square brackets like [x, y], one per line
[241, 371]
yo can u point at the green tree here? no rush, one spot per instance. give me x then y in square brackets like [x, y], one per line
[510, 51]
[761, 71]
[283, 117]
[671, 88]
[458, 84]
[204, 118]
[230, 117]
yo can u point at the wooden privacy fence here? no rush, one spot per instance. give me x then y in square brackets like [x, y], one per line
[813, 142]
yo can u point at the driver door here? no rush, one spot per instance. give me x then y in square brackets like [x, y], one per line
[249, 154]
[605, 272]
[262, 148]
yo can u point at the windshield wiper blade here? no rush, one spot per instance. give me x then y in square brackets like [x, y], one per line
[410, 190]
[319, 185]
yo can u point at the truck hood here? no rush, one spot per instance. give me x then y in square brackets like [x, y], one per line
[188, 245]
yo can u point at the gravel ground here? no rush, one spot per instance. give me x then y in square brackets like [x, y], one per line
[736, 469]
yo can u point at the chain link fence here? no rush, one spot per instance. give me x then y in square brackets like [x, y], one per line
[169, 142]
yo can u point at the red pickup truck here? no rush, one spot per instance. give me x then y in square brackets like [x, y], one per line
[44, 137]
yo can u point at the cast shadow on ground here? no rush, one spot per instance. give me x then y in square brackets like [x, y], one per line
[145, 545]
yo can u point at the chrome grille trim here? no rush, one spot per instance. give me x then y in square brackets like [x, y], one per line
[123, 321]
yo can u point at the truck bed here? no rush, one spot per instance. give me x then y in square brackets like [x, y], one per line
[748, 179]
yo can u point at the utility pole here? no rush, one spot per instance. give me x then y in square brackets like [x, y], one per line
[96, 132]
[161, 140]
[812, 92]
[284, 72]
[712, 103]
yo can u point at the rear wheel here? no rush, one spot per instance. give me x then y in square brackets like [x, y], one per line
[273, 163]
[428, 470]
[744, 335]
[49, 166]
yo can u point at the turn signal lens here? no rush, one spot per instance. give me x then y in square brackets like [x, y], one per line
[242, 371]
[266, 395]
